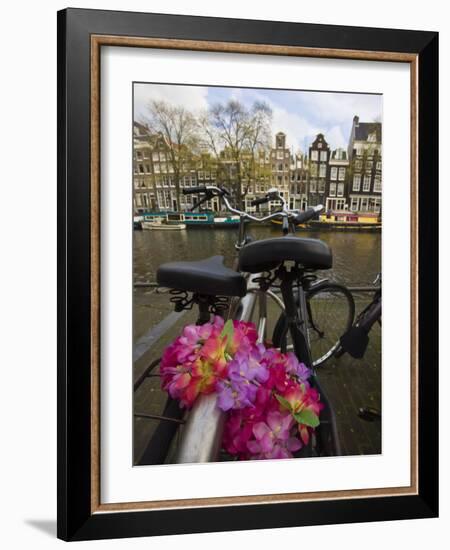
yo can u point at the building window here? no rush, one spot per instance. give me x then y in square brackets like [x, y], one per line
[354, 205]
[377, 206]
[366, 184]
[141, 168]
[364, 204]
[322, 171]
[369, 165]
[358, 165]
[313, 186]
[341, 174]
[280, 168]
[332, 189]
[340, 190]
[377, 184]
[147, 168]
[155, 157]
[379, 165]
[334, 172]
[356, 182]
[321, 186]
[138, 155]
[323, 156]
[314, 155]
[340, 204]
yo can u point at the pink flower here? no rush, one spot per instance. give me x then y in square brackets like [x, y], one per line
[271, 407]
[194, 362]
[272, 438]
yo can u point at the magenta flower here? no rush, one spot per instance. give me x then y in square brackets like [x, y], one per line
[271, 408]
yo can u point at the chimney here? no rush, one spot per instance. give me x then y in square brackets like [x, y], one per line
[356, 120]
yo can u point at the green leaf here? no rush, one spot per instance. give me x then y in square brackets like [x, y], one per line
[228, 330]
[283, 402]
[307, 417]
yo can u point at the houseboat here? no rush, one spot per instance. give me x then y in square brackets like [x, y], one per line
[347, 220]
[192, 219]
[341, 221]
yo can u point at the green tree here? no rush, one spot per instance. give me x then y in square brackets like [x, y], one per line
[235, 134]
[179, 129]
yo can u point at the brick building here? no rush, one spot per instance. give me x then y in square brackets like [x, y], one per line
[365, 155]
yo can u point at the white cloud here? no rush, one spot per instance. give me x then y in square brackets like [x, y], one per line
[336, 138]
[193, 97]
[296, 128]
[328, 113]
[342, 107]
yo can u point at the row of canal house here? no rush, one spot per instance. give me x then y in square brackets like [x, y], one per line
[341, 180]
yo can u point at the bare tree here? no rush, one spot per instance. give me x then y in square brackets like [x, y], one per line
[234, 134]
[179, 128]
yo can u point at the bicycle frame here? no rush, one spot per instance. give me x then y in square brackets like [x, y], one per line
[203, 430]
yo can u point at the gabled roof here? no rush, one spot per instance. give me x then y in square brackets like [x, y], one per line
[320, 138]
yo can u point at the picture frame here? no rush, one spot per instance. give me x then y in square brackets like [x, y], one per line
[81, 35]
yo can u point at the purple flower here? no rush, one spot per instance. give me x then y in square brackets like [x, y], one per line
[235, 394]
[295, 368]
[248, 365]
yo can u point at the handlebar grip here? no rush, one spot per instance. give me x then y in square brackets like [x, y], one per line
[194, 190]
[263, 200]
[307, 215]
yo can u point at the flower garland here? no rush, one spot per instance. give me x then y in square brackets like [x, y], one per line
[272, 408]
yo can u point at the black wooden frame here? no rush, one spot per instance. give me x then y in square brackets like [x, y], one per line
[75, 521]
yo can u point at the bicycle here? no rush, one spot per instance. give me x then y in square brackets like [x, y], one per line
[265, 269]
[356, 339]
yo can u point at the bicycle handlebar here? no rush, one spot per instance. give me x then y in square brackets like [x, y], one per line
[195, 190]
[303, 217]
[272, 195]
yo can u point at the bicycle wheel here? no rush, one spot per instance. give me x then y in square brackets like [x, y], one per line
[330, 313]
[331, 310]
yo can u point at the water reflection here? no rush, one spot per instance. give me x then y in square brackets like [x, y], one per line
[356, 256]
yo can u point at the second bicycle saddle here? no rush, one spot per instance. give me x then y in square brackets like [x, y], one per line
[208, 277]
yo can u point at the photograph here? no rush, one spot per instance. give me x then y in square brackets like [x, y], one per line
[246, 274]
[257, 273]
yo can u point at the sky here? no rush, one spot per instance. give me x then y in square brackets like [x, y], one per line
[301, 115]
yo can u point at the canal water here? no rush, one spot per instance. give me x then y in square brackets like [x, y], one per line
[356, 255]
